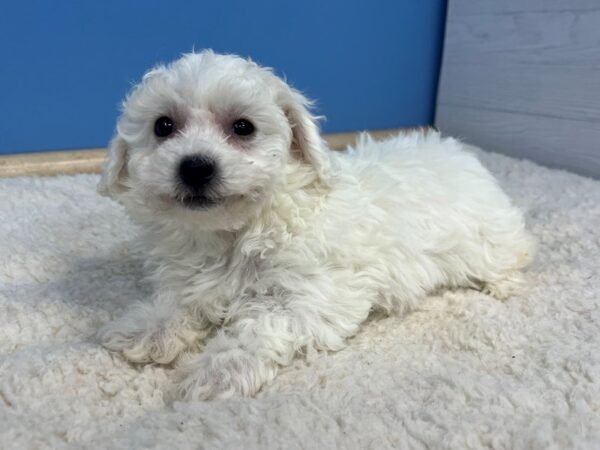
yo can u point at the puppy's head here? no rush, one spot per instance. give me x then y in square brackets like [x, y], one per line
[206, 141]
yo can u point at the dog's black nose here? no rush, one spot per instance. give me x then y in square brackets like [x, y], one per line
[196, 171]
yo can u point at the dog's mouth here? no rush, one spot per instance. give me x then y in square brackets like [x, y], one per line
[195, 201]
[198, 201]
[189, 201]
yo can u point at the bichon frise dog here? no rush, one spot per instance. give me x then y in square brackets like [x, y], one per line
[262, 243]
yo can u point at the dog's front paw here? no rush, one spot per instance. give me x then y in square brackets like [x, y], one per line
[143, 337]
[218, 375]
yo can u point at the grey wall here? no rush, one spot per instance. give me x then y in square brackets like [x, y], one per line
[522, 77]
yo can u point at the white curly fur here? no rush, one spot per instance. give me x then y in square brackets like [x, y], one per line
[303, 243]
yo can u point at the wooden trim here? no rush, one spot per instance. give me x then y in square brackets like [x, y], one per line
[339, 141]
[90, 160]
[52, 163]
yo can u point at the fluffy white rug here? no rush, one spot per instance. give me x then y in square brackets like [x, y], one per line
[462, 371]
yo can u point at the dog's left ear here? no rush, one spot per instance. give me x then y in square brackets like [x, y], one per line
[307, 143]
[114, 170]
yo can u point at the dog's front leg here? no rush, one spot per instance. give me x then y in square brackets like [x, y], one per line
[246, 354]
[157, 331]
[228, 366]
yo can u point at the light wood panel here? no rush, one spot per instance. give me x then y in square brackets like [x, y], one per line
[522, 77]
[90, 161]
[476, 7]
[534, 137]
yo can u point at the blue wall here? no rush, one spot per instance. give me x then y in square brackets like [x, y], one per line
[65, 65]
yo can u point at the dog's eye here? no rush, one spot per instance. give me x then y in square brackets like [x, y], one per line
[242, 127]
[163, 126]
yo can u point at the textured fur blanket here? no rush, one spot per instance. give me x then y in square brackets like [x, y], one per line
[462, 371]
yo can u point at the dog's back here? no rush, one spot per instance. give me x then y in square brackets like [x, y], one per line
[424, 213]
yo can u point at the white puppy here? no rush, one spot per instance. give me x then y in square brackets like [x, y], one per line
[263, 243]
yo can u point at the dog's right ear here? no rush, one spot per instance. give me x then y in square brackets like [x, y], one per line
[114, 171]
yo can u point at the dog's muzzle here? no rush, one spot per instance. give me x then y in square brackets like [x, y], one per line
[197, 174]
